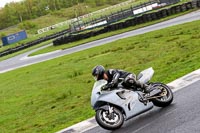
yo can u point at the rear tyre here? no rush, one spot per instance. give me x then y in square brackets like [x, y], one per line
[166, 95]
[110, 121]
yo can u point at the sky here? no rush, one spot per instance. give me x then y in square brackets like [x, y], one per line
[3, 2]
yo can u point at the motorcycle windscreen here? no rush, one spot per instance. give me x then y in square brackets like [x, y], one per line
[96, 89]
[146, 75]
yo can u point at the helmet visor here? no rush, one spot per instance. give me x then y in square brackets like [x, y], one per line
[95, 77]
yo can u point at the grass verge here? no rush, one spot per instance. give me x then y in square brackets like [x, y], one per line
[62, 15]
[25, 50]
[65, 46]
[55, 94]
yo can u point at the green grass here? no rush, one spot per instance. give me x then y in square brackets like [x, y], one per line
[61, 16]
[68, 45]
[44, 20]
[56, 17]
[55, 94]
[25, 50]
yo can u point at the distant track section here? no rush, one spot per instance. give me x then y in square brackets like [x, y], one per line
[130, 22]
[32, 43]
[23, 60]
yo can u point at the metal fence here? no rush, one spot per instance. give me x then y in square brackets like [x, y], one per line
[130, 22]
[133, 11]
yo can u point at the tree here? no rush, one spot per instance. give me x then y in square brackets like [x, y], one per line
[29, 6]
[8, 18]
[18, 9]
[14, 13]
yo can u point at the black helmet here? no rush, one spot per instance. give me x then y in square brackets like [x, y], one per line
[98, 72]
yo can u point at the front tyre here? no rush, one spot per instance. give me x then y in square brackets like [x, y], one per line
[165, 98]
[109, 121]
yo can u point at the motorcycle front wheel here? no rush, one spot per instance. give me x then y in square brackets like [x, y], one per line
[165, 98]
[109, 121]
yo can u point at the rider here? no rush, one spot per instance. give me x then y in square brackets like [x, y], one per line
[113, 75]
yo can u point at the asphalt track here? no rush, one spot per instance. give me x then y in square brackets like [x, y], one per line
[182, 116]
[23, 59]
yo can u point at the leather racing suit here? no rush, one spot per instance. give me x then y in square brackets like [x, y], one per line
[129, 79]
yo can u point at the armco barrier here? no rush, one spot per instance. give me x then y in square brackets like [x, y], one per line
[137, 20]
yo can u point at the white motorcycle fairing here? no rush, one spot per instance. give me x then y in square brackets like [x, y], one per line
[125, 99]
[115, 105]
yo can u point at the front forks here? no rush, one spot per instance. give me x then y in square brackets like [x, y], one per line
[110, 112]
[110, 109]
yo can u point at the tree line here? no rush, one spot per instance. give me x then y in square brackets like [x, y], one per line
[16, 12]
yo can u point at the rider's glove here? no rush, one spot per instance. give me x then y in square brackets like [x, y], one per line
[104, 88]
[110, 85]
[107, 86]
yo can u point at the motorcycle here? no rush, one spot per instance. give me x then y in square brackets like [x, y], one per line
[116, 105]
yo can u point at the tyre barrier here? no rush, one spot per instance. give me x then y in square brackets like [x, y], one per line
[183, 7]
[189, 5]
[198, 4]
[32, 43]
[131, 22]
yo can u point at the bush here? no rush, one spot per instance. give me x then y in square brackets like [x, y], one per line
[27, 25]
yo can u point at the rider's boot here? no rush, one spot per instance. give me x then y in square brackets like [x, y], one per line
[145, 87]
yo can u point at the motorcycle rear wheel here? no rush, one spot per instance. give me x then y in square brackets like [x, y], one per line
[167, 95]
[103, 119]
